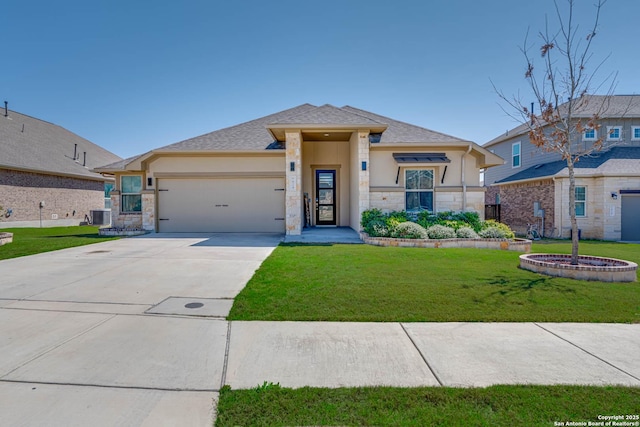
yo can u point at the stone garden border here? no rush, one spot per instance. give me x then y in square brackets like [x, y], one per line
[121, 232]
[516, 245]
[590, 267]
[6, 238]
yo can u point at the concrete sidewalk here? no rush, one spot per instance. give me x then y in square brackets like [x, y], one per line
[328, 354]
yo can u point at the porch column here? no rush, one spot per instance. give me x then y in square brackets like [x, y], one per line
[149, 210]
[363, 175]
[293, 191]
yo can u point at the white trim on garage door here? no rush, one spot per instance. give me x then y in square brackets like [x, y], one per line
[221, 205]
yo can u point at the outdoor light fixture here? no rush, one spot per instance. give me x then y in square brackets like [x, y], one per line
[614, 195]
[364, 166]
[292, 166]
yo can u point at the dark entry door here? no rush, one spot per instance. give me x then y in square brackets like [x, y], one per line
[325, 197]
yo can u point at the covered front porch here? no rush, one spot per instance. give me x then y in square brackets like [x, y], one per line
[325, 235]
[327, 174]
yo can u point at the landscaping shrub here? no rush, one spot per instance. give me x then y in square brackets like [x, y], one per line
[492, 233]
[409, 230]
[450, 219]
[443, 225]
[377, 228]
[371, 215]
[466, 233]
[441, 232]
[508, 233]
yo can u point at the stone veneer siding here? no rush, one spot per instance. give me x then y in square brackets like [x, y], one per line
[391, 199]
[68, 198]
[293, 190]
[130, 220]
[517, 205]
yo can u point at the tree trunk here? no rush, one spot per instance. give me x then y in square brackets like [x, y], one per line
[572, 212]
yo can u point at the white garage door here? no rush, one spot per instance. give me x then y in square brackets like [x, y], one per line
[221, 205]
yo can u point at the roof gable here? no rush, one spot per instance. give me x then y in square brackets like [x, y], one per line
[329, 115]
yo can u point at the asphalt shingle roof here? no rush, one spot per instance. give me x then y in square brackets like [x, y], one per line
[398, 131]
[593, 161]
[36, 145]
[254, 135]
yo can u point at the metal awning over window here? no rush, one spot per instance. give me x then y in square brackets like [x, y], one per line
[421, 158]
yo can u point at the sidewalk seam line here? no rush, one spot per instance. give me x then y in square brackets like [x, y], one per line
[49, 350]
[223, 377]
[207, 390]
[588, 352]
[422, 355]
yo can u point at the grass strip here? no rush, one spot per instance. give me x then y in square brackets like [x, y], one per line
[30, 241]
[272, 405]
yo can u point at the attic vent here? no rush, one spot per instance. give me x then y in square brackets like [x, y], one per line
[538, 166]
[375, 138]
[276, 145]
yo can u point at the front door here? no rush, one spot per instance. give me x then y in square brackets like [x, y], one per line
[325, 197]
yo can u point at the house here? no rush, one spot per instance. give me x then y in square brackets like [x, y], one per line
[305, 166]
[533, 185]
[45, 173]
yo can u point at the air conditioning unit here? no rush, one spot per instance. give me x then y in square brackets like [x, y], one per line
[101, 217]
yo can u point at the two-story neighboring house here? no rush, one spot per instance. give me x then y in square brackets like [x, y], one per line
[532, 187]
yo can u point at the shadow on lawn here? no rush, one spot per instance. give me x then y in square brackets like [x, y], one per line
[510, 286]
[84, 236]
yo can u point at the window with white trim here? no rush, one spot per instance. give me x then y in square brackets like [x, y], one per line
[614, 133]
[130, 190]
[590, 135]
[581, 201]
[418, 185]
[516, 154]
[635, 133]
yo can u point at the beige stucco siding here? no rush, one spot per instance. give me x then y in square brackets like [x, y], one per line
[384, 168]
[217, 164]
[388, 195]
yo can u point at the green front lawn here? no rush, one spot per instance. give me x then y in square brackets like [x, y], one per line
[369, 283]
[29, 241]
[433, 406]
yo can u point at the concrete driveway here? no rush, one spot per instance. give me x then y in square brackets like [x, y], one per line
[126, 332]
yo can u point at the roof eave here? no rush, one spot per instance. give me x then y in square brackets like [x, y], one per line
[54, 173]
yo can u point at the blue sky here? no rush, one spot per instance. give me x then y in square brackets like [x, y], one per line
[136, 75]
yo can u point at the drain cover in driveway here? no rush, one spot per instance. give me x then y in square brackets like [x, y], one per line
[209, 307]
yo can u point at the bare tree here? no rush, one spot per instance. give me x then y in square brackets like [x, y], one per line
[562, 88]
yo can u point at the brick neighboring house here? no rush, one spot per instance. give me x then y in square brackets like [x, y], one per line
[43, 162]
[607, 181]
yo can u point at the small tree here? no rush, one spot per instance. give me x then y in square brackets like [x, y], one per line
[562, 88]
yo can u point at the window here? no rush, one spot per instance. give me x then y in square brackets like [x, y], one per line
[108, 186]
[589, 135]
[581, 201]
[130, 188]
[614, 133]
[635, 133]
[419, 190]
[515, 155]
